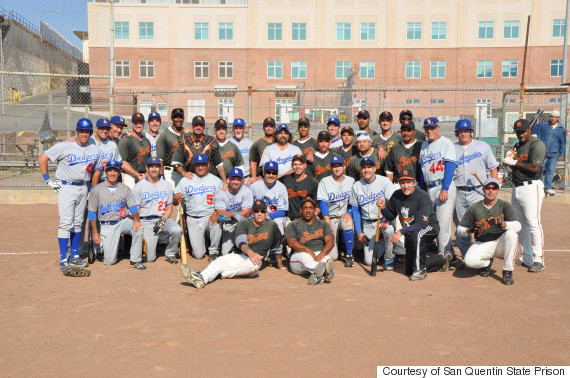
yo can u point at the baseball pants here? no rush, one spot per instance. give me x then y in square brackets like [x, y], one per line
[71, 205]
[417, 246]
[444, 211]
[463, 200]
[228, 233]
[171, 229]
[505, 247]
[369, 228]
[230, 265]
[344, 226]
[527, 203]
[302, 262]
[110, 235]
[197, 229]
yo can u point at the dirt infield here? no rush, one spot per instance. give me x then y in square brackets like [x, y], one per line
[125, 322]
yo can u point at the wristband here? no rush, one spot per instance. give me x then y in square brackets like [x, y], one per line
[46, 176]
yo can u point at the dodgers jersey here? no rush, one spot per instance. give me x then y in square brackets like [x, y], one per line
[152, 140]
[109, 151]
[336, 193]
[476, 156]
[152, 199]
[433, 157]
[281, 157]
[244, 145]
[366, 194]
[226, 200]
[74, 162]
[199, 194]
[275, 197]
[110, 203]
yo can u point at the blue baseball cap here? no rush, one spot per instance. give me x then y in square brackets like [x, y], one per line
[431, 122]
[367, 160]
[236, 172]
[153, 160]
[118, 120]
[200, 158]
[154, 115]
[271, 166]
[282, 126]
[333, 119]
[337, 160]
[113, 164]
[103, 122]
[238, 122]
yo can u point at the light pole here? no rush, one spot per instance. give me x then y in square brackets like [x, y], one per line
[2, 79]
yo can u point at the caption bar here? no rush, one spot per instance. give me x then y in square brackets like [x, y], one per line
[472, 371]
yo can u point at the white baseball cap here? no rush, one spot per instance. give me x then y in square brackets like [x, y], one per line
[362, 135]
[555, 113]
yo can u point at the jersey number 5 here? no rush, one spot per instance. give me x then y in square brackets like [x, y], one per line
[434, 168]
[209, 199]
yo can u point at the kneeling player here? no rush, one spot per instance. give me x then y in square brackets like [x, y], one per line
[494, 225]
[255, 238]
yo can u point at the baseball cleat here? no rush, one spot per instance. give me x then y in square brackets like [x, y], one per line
[508, 277]
[171, 259]
[64, 265]
[549, 192]
[317, 276]
[398, 259]
[212, 257]
[76, 261]
[349, 261]
[138, 265]
[520, 262]
[419, 275]
[389, 264]
[329, 270]
[447, 257]
[486, 271]
[193, 277]
[536, 267]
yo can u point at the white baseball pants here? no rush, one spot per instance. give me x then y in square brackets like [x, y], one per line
[230, 265]
[302, 262]
[527, 203]
[505, 247]
[197, 228]
[444, 211]
[171, 229]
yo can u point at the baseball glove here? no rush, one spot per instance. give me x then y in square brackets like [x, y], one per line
[238, 217]
[223, 218]
[54, 185]
[159, 226]
[75, 271]
[477, 227]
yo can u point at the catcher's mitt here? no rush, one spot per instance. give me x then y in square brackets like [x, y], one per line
[477, 228]
[75, 271]
[159, 226]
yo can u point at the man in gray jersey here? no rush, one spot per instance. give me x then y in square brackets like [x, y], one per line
[110, 202]
[154, 122]
[117, 126]
[255, 238]
[198, 194]
[244, 144]
[333, 127]
[109, 149]
[257, 149]
[153, 197]
[282, 151]
[229, 152]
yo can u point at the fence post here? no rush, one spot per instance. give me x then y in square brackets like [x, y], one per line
[249, 110]
[67, 127]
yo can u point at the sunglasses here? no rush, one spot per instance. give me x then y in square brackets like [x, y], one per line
[491, 187]
[271, 173]
[256, 211]
[406, 118]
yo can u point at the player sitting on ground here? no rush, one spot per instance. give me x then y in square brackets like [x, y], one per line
[255, 238]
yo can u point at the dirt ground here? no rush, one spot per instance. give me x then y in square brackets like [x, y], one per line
[125, 322]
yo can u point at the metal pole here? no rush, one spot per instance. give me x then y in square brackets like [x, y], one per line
[521, 110]
[564, 102]
[68, 128]
[2, 80]
[112, 59]
[249, 110]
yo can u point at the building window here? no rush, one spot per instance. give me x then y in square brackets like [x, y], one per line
[226, 70]
[226, 31]
[299, 32]
[343, 31]
[511, 29]
[413, 69]
[274, 70]
[437, 69]
[438, 30]
[558, 28]
[298, 70]
[201, 31]
[510, 68]
[486, 29]
[483, 107]
[146, 30]
[342, 69]
[484, 68]
[555, 100]
[368, 31]
[122, 68]
[414, 30]
[413, 101]
[511, 101]
[146, 68]
[284, 109]
[275, 32]
[121, 30]
[367, 70]
[226, 109]
[202, 69]
[556, 67]
[437, 101]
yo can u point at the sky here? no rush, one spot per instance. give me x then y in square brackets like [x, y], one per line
[73, 15]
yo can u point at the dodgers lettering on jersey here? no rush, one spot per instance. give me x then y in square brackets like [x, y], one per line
[465, 159]
[226, 200]
[476, 156]
[275, 197]
[152, 199]
[199, 194]
[283, 158]
[110, 203]
[113, 206]
[433, 157]
[74, 162]
[366, 194]
[337, 194]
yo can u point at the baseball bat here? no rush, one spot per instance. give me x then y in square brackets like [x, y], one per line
[90, 249]
[536, 117]
[375, 251]
[474, 173]
[183, 248]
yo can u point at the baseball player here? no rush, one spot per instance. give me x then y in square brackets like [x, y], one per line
[406, 115]
[363, 120]
[526, 161]
[348, 149]
[258, 147]
[365, 192]
[333, 195]
[273, 193]
[198, 193]
[135, 150]
[311, 241]
[76, 162]
[387, 138]
[153, 197]
[256, 238]
[494, 225]
[404, 154]
[110, 202]
[553, 135]
[232, 206]
[306, 143]
[472, 156]
[419, 226]
[109, 150]
[282, 151]
[437, 164]
[244, 144]
[299, 185]
[117, 126]
[154, 122]
[197, 143]
[320, 166]
[365, 149]
[229, 152]
[167, 143]
[333, 127]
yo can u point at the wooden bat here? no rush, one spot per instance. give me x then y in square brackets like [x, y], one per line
[375, 251]
[90, 249]
[474, 173]
[183, 249]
